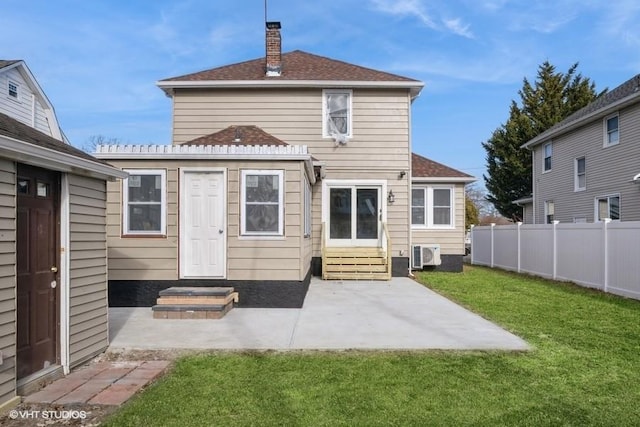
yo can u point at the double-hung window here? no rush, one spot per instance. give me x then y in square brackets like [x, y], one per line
[336, 112]
[13, 89]
[608, 207]
[548, 153]
[612, 131]
[144, 202]
[580, 177]
[262, 203]
[432, 207]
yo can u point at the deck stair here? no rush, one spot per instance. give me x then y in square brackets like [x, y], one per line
[355, 263]
[194, 303]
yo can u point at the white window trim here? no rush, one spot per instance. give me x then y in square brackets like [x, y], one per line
[544, 157]
[576, 180]
[163, 203]
[17, 85]
[428, 189]
[281, 190]
[607, 196]
[325, 112]
[606, 142]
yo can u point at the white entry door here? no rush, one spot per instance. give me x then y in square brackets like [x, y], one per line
[202, 225]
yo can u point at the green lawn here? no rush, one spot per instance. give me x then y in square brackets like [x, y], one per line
[584, 370]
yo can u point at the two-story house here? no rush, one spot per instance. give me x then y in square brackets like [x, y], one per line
[585, 168]
[53, 264]
[281, 167]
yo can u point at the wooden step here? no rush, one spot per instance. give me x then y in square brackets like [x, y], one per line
[354, 252]
[359, 268]
[355, 276]
[184, 311]
[356, 261]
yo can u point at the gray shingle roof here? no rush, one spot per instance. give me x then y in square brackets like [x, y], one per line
[421, 167]
[12, 128]
[7, 62]
[629, 89]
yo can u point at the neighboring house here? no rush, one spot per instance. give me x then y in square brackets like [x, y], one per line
[53, 266]
[526, 203]
[437, 214]
[304, 162]
[585, 168]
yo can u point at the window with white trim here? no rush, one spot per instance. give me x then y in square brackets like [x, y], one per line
[13, 90]
[549, 211]
[548, 153]
[432, 207]
[580, 174]
[611, 131]
[336, 114]
[144, 202]
[608, 207]
[262, 203]
[307, 208]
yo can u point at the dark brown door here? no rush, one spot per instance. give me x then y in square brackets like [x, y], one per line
[37, 266]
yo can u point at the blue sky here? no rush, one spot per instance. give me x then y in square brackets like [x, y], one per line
[98, 60]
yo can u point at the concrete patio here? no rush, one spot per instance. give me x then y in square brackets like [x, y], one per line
[337, 315]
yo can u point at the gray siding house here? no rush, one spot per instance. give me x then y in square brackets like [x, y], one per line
[586, 168]
[53, 263]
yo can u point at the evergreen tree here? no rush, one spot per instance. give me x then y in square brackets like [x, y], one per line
[550, 99]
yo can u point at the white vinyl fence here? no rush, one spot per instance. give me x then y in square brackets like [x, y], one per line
[603, 255]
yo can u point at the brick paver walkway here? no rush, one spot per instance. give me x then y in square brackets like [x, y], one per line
[102, 383]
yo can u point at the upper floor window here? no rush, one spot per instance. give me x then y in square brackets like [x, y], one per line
[144, 202]
[580, 176]
[13, 89]
[549, 211]
[548, 153]
[608, 207]
[612, 131]
[432, 207]
[262, 203]
[336, 112]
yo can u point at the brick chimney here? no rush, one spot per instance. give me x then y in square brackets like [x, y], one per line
[274, 50]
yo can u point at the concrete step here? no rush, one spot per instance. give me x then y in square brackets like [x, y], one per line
[192, 291]
[185, 311]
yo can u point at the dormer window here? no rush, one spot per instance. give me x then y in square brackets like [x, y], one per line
[336, 110]
[13, 90]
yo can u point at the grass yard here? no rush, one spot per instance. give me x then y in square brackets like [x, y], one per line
[584, 370]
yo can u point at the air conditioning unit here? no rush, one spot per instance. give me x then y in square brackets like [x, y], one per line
[426, 255]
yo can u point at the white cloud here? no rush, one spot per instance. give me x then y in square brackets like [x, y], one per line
[416, 9]
[457, 27]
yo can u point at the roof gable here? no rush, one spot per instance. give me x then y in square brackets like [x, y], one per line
[421, 167]
[238, 135]
[33, 84]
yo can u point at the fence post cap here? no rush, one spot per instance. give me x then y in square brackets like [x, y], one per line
[555, 222]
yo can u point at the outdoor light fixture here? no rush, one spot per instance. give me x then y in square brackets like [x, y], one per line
[391, 197]
[402, 174]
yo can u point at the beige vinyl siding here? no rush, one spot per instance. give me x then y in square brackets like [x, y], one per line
[379, 148]
[451, 241]
[248, 258]
[22, 109]
[88, 328]
[608, 170]
[7, 279]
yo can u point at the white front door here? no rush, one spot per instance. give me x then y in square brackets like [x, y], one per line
[354, 212]
[202, 225]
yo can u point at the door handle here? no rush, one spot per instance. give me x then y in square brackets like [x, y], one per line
[54, 269]
[220, 231]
